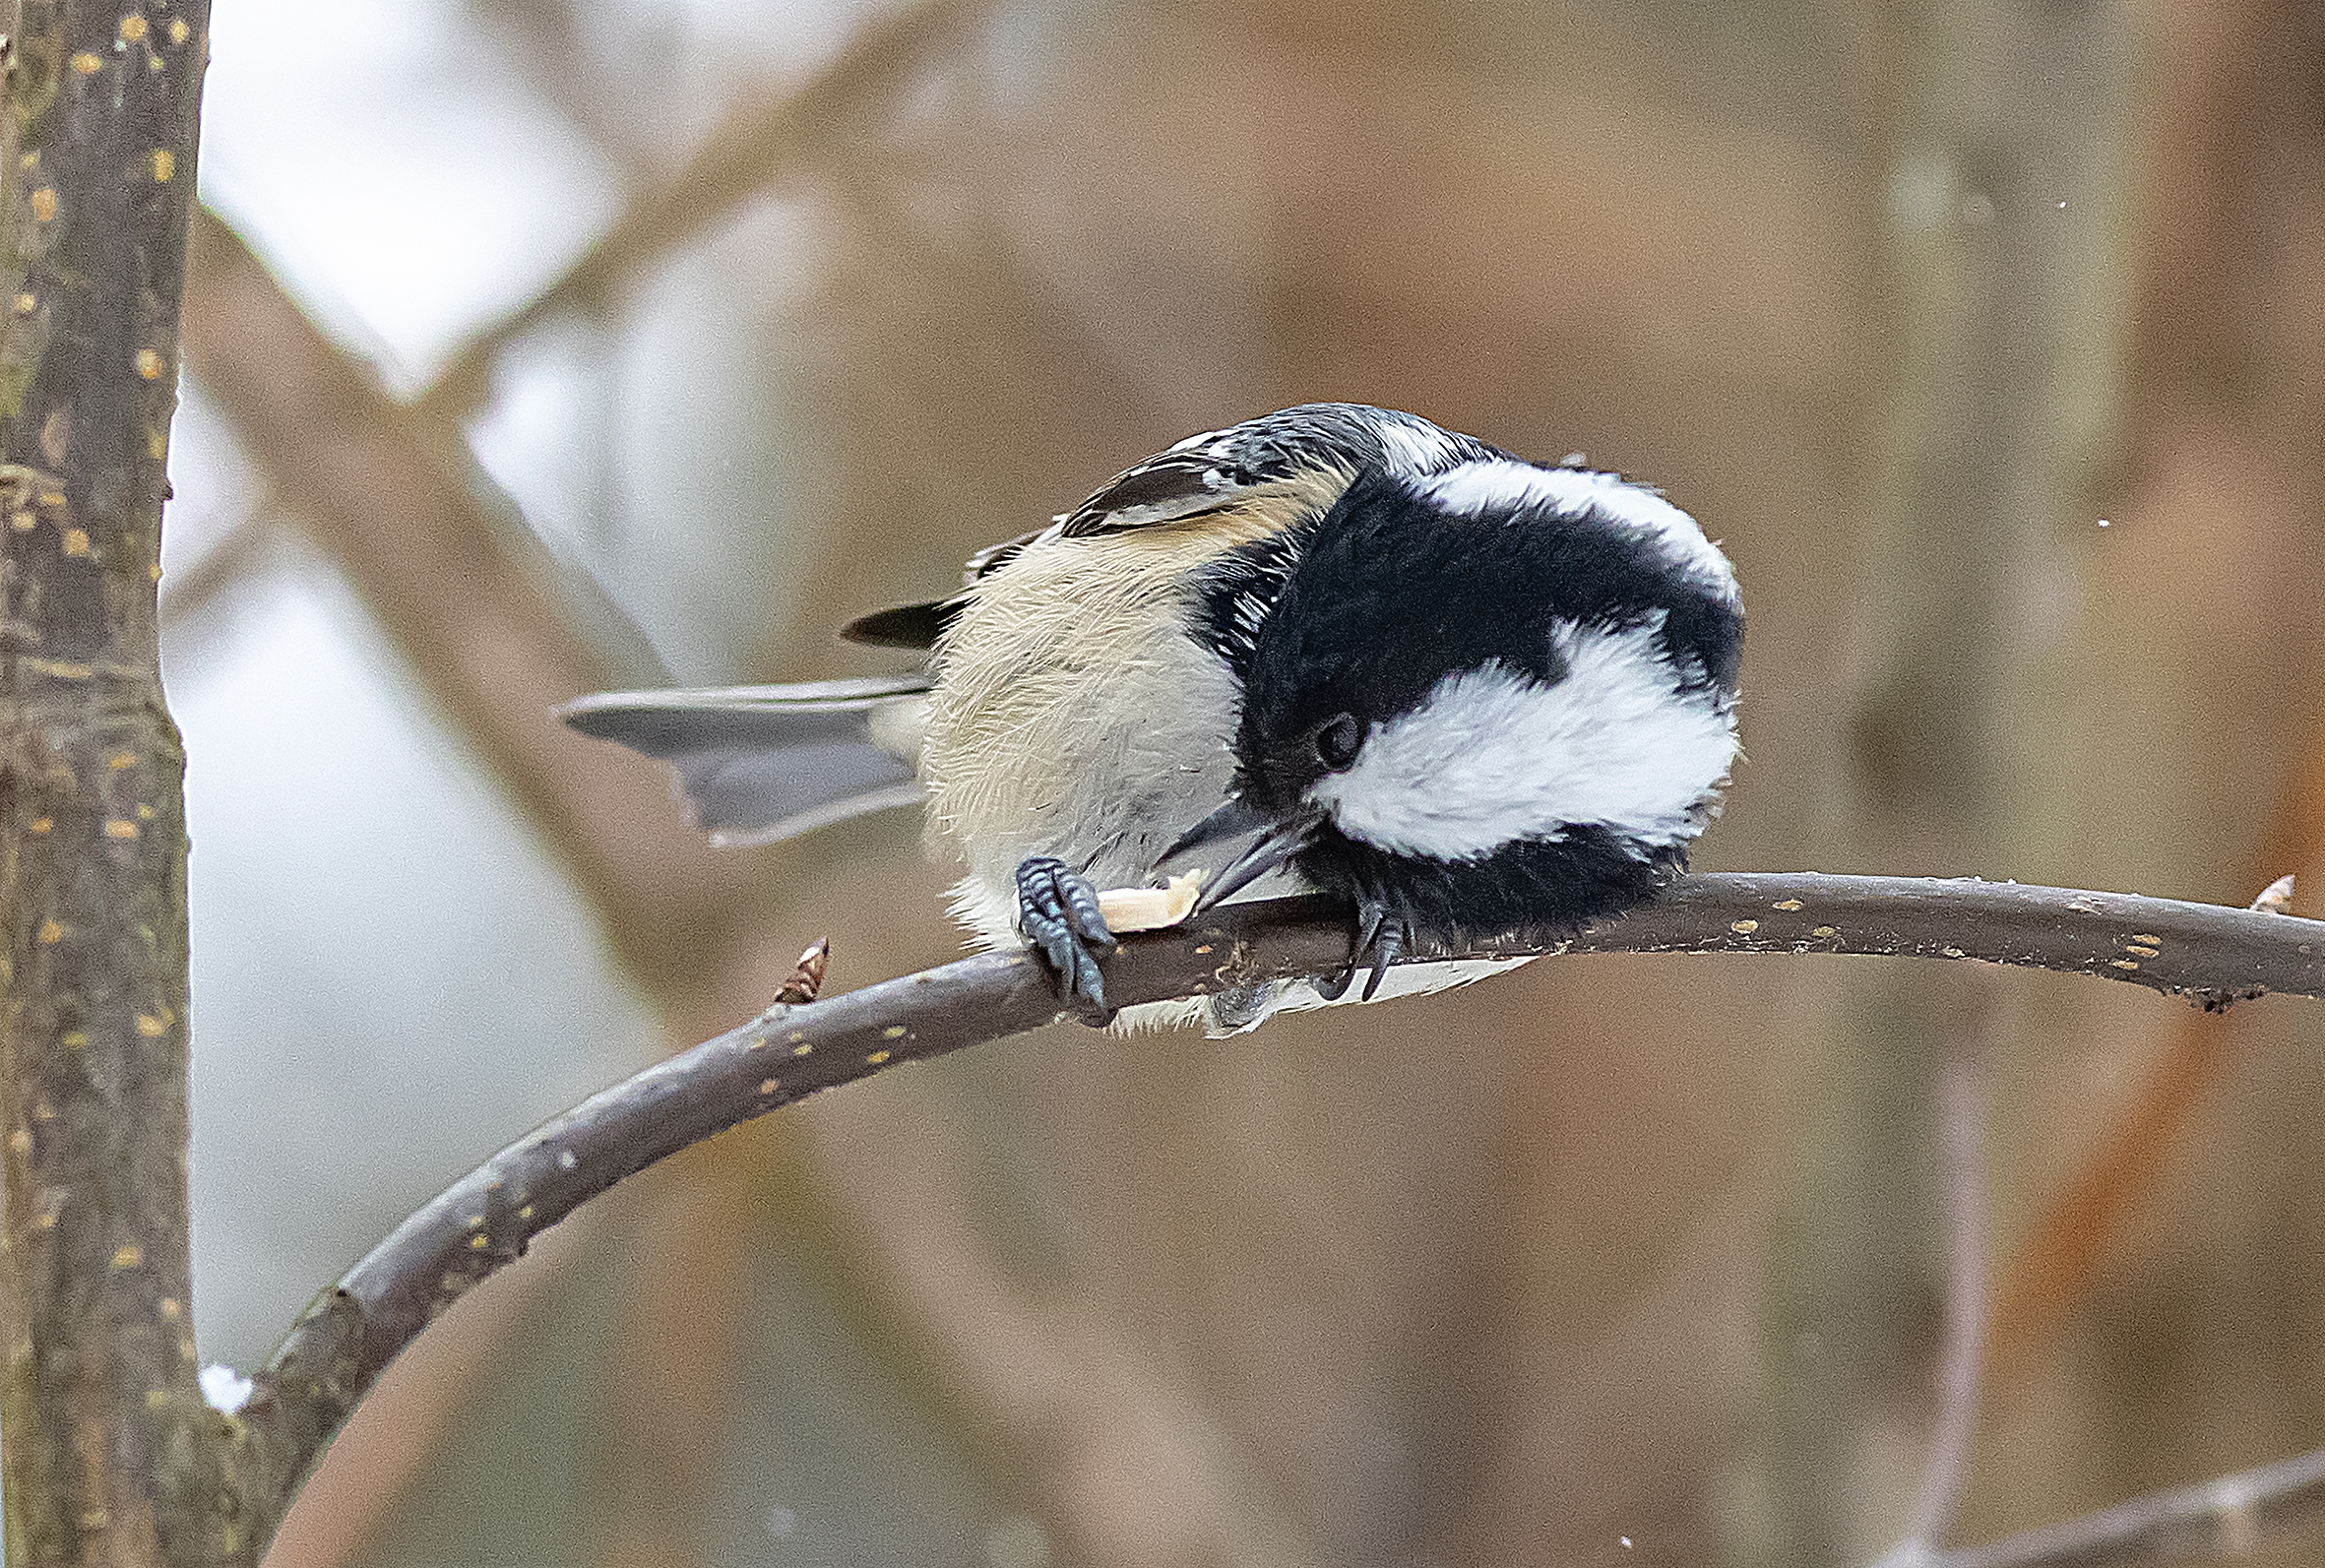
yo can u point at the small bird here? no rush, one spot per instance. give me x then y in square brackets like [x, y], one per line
[1333, 647]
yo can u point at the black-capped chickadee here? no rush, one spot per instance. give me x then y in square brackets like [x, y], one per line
[1334, 646]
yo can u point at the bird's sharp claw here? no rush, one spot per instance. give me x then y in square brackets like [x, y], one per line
[1387, 945]
[1378, 936]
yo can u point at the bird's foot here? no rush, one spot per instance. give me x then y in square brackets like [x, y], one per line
[1377, 940]
[1057, 911]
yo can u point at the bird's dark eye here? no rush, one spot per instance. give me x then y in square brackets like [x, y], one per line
[1337, 742]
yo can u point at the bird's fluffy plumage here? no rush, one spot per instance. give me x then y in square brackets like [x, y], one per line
[1492, 754]
[1479, 692]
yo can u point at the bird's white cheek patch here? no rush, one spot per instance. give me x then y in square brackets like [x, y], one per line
[1492, 755]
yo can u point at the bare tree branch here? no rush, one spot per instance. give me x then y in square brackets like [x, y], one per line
[488, 1217]
[346, 1510]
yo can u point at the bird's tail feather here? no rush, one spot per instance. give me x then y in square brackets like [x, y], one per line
[763, 763]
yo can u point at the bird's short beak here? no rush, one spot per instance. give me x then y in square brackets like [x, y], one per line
[1274, 840]
[1232, 820]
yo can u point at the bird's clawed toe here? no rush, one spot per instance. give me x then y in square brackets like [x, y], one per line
[1057, 911]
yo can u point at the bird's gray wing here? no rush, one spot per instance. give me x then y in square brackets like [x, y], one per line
[761, 763]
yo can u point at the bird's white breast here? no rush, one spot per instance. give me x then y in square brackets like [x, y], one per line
[1075, 716]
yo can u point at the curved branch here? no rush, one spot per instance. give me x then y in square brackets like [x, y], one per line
[487, 1217]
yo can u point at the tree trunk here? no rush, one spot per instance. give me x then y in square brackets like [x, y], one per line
[110, 1453]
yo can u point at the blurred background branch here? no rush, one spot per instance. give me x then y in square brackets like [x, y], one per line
[2229, 137]
[771, 137]
[2230, 1517]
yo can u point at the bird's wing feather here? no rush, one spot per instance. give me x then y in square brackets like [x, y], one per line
[917, 626]
[1205, 473]
[1218, 468]
[761, 763]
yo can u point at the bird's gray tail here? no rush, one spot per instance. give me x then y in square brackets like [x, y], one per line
[761, 763]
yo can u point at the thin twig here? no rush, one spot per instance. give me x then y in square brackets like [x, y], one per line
[1961, 1125]
[1960, 1115]
[488, 1217]
[2224, 1517]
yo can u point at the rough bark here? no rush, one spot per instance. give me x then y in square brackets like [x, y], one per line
[110, 1453]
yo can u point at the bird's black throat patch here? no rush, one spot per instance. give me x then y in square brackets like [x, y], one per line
[1559, 884]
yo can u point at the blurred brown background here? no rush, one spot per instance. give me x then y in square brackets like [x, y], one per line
[537, 347]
